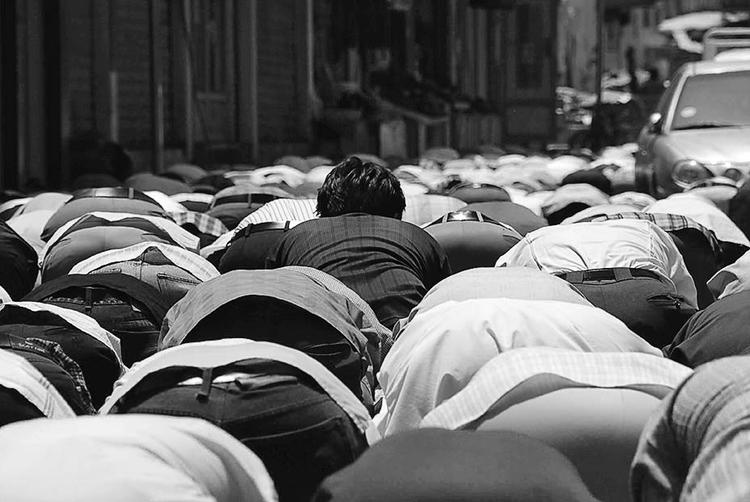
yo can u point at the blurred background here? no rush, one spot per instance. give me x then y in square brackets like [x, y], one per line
[217, 83]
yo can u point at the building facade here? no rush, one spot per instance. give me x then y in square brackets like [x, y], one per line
[219, 82]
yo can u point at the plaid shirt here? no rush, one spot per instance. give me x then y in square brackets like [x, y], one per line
[52, 350]
[204, 223]
[694, 447]
[667, 222]
[491, 385]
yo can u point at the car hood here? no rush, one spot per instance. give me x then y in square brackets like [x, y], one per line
[730, 144]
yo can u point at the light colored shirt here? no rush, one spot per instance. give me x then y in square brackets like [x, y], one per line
[497, 385]
[193, 197]
[167, 203]
[425, 208]
[441, 349]
[47, 201]
[193, 263]
[610, 244]
[575, 192]
[731, 279]
[521, 283]
[704, 212]
[590, 212]
[18, 374]
[30, 227]
[128, 458]
[223, 352]
[279, 210]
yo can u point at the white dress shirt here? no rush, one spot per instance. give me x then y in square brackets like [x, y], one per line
[704, 212]
[439, 351]
[128, 458]
[521, 283]
[501, 383]
[193, 263]
[609, 244]
[18, 374]
[731, 279]
[279, 210]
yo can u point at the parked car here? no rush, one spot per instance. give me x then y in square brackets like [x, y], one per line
[700, 133]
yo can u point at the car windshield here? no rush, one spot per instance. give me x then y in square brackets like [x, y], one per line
[714, 100]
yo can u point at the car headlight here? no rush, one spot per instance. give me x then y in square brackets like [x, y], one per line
[687, 172]
[734, 174]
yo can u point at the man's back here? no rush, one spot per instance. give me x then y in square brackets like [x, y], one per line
[389, 263]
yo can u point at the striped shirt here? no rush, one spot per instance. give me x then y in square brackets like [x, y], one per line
[279, 211]
[492, 386]
[389, 263]
[694, 447]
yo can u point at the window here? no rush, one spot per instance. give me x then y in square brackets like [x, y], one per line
[714, 100]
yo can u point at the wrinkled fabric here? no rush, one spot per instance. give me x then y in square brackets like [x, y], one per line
[520, 283]
[441, 349]
[129, 458]
[89, 201]
[704, 212]
[389, 263]
[612, 244]
[222, 352]
[495, 387]
[720, 330]
[190, 262]
[694, 447]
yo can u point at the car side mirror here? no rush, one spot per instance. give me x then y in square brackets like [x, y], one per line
[655, 123]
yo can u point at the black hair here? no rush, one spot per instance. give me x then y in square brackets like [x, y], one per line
[361, 187]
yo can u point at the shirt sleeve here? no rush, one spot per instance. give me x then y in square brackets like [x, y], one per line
[519, 255]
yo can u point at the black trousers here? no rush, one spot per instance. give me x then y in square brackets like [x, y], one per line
[296, 429]
[646, 304]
